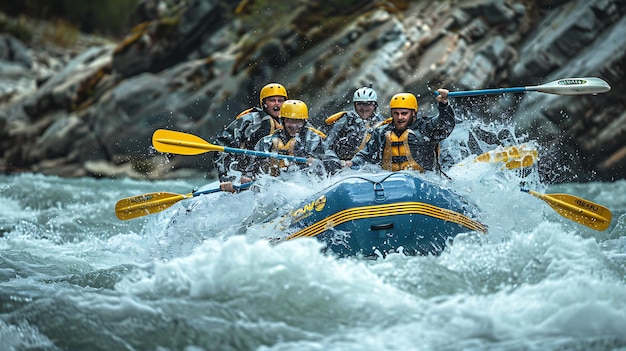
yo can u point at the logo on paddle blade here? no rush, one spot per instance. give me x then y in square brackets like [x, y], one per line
[571, 82]
[592, 207]
[140, 199]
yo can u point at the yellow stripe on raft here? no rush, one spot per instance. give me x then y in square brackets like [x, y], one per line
[400, 208]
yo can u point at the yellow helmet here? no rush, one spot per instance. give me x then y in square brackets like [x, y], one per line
[272, 89]
[404, 100]
[294, 109]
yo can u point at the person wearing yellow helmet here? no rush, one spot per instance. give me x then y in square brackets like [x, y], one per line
[408, 142]
[246, 130]
[351, 130]
[296, 138]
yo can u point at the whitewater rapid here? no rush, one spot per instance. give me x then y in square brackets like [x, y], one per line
[202, 275]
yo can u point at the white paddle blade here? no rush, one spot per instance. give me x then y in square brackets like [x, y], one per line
[574, 86]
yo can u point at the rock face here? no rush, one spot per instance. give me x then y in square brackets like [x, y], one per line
[194, 66]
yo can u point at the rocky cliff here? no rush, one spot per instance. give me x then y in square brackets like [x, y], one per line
[193, 65]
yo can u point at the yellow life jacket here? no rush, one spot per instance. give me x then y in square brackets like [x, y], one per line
[273, 126]
[397, 154]
[368, 135]
[334, 118]
[275, 165]
[364, 141]
[318, 132]
[244, 112]
[383, 122]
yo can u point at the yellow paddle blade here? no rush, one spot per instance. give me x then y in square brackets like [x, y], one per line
[179, 143]
[142, 205]
[579, 210]
[526, 161]
[512, 156]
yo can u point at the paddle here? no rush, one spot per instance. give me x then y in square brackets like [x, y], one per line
[172, 142]
[512, 156]
[142, 205]
[566, 86]
[579, 210]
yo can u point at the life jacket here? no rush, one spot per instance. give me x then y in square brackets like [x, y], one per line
[317, 131]
[335, 117]
[278, 146]
[397, 154]
[273, 126]
[367, 135]
[258, 111]
[245, 112]
[384, 122]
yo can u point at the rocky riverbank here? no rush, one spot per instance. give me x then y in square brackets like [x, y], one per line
[90, 108]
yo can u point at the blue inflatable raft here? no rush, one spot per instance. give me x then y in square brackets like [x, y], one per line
[377, 214]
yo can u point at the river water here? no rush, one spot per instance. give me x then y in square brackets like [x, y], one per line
[202, 276]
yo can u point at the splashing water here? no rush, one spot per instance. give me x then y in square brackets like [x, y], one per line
[202, 275]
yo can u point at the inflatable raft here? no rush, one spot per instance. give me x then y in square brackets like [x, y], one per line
[376, 214]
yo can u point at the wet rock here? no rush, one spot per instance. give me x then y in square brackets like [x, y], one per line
[193, 66]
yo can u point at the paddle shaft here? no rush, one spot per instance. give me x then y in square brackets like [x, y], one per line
[169, 201]
[141, 205]
[265, 154]
[566, 86]
[480, 92]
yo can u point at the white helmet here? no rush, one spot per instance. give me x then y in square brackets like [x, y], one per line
[365, 94]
